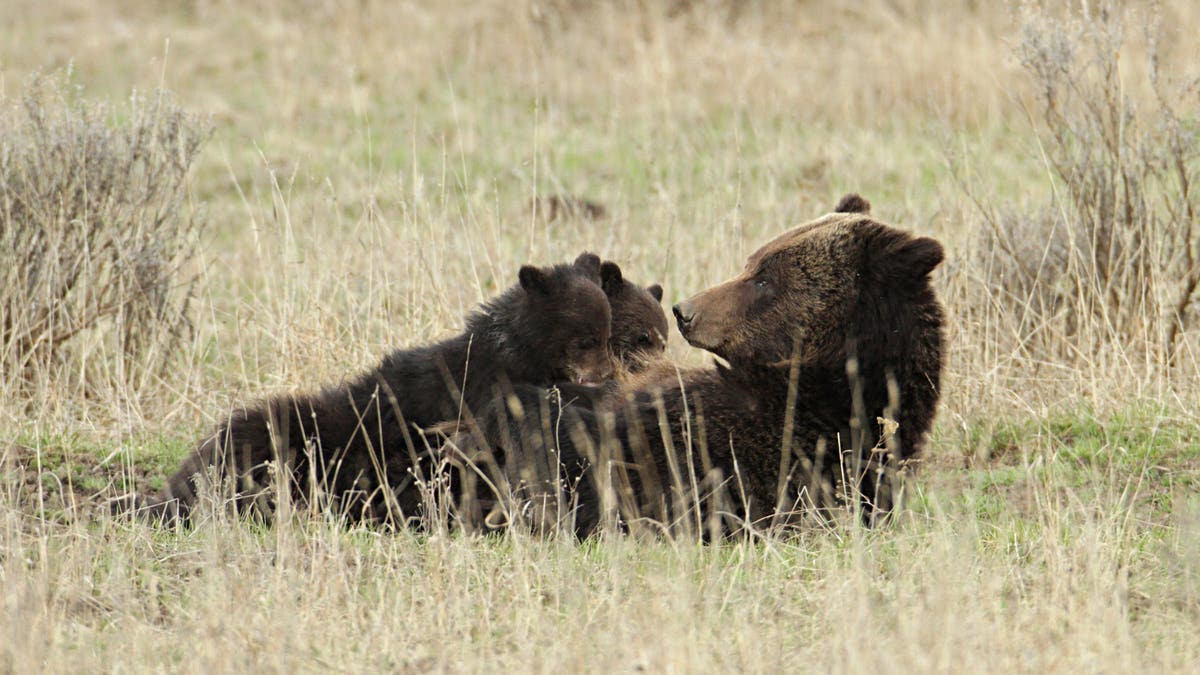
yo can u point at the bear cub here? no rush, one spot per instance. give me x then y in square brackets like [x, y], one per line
[360, 442]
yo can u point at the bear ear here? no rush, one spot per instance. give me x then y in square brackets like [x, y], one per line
[852, 202]
[534, 279]
[656, 291]
[589, 263]
[611, 279]
[899, 255]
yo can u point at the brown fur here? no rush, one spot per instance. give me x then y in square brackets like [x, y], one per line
[639, 324]
[829, 329]
[638, 342]
[852, 203]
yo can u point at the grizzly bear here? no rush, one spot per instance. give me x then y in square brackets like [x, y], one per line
[639, 324]
[832, 344]
[359, 442]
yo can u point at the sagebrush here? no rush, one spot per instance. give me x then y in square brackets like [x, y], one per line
[95, 234]
[1113, 259]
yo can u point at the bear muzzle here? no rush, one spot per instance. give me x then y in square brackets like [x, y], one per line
[593, 370]
[684, 313]
[692, 327]
[714, 317]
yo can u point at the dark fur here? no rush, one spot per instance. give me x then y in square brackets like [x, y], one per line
[819, 326]
[360, 442]
[639, 324]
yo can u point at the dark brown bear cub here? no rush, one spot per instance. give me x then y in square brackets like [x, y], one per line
[359, 442]
[639, 324]
[832, 333]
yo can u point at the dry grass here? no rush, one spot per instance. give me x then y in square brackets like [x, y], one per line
[1115, 256]
[370, 178]
[93, 241]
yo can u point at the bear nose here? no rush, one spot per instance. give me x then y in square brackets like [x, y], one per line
[684, 313]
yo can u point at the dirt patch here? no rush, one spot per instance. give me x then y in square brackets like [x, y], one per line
[60, 483]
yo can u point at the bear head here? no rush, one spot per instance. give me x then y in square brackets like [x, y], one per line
[639, 324]
[565, 320]
[843, 282]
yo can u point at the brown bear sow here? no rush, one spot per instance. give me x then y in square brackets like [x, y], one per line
[359, 441]
[833, 338]
[639, 324]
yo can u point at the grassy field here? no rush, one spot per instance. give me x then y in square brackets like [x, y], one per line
[370, 178]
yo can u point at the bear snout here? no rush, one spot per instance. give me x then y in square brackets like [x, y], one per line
[685, 312]
[711, 318]
[698, 333]
[595, 370]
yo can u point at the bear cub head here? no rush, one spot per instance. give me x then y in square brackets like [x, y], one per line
[639, 324]
[562, 321]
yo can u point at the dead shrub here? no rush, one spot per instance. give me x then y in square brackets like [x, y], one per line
[1115, 257]
[94, 235]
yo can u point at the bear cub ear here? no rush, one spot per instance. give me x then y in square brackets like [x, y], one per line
[588, 263]
[611, 279]
[656, 291]
[899, 255]
[534, 279]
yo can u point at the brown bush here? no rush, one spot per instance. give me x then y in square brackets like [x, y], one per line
[1115, 257]
[94, 232]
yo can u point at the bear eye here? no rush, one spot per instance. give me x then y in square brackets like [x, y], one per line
[588, 343]
[643, 340]
[761, 282]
